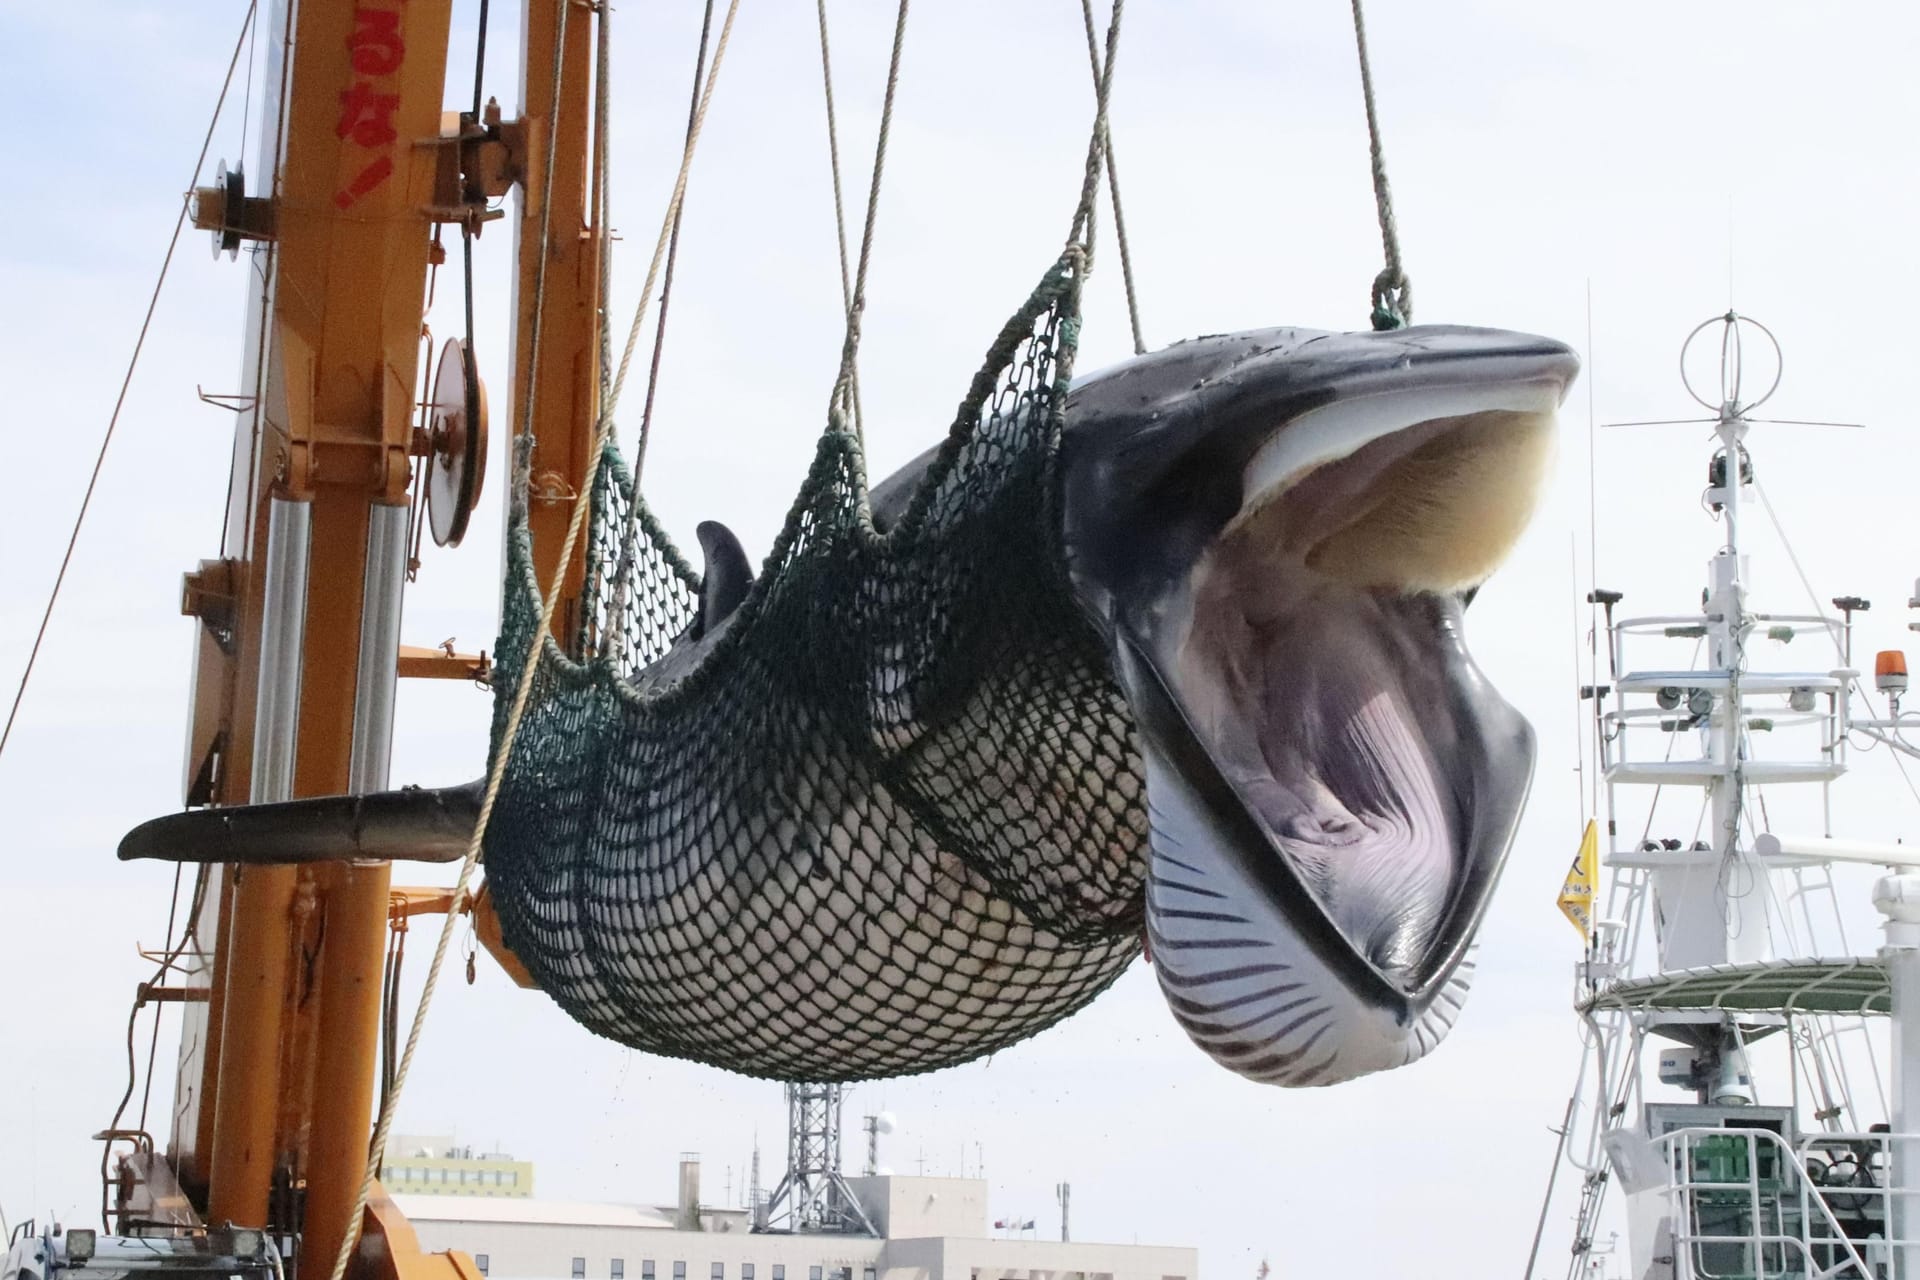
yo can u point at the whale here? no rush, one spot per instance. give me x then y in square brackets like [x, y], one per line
[1269, 541]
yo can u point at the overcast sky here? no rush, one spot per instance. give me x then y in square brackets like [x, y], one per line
[1662, 157]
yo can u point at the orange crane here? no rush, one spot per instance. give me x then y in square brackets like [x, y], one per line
[299, 651]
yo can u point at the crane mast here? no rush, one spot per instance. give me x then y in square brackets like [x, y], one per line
[299, 650]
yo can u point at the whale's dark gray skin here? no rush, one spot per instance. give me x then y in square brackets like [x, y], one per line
[1274, 535]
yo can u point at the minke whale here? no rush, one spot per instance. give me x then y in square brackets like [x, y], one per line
[1272, 537]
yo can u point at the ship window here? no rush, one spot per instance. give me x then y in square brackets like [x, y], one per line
[579, 1269]
[618, 1269]
[483, 1262]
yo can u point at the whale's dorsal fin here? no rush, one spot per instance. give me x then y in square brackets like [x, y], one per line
[727, 578]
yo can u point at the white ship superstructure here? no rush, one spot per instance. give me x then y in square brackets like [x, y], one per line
[1720, 942]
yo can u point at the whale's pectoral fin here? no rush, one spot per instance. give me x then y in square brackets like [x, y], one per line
[728, 576]
[414, 824]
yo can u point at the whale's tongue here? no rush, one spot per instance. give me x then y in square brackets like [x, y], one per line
[1330, 719]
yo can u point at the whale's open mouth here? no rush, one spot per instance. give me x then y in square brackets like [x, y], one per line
[1332, 783]
[1323, 669]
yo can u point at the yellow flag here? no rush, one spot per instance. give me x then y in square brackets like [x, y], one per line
[1583, 878]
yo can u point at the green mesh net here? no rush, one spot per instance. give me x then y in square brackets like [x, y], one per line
[891, 821]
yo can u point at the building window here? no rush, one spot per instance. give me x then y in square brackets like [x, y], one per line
[483, 1262]
[813, 1273]
[679, 1271]
[618, 1270]
[870, 1274]
[646, 1269]
[579, 1269]
[746, 1271]
[719, 1271]
[779, 1271]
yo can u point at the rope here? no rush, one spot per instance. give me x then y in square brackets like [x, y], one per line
[523, 690]
[603, 200]
[1392, 291]
[546, 226]
[666, 231]
[479, 59]
[133, 362]
[673, 240]
[842, 398]
[1113, 189]
[466, 260]
[839, 208]
[1081, 235]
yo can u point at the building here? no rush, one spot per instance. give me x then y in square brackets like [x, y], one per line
[929, 1229]
[436, 1166]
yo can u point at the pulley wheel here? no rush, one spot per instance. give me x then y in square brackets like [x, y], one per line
[232, 185]
[457, 443]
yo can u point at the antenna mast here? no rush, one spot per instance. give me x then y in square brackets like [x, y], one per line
[813, 1195]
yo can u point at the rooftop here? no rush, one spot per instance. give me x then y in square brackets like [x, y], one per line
[565, 1213]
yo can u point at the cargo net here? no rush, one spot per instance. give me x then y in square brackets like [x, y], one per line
[892, 819]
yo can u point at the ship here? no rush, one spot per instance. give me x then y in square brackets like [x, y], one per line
[1748, 1091]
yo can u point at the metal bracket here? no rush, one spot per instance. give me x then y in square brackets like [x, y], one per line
[478, 161]
[207, 593]
[234, 401]
[442, 663]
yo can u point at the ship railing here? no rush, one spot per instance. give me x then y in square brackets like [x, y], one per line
[1804, 712]
[1745, 1205]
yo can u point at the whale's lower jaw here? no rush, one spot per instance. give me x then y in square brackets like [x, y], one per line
[1244, 985]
